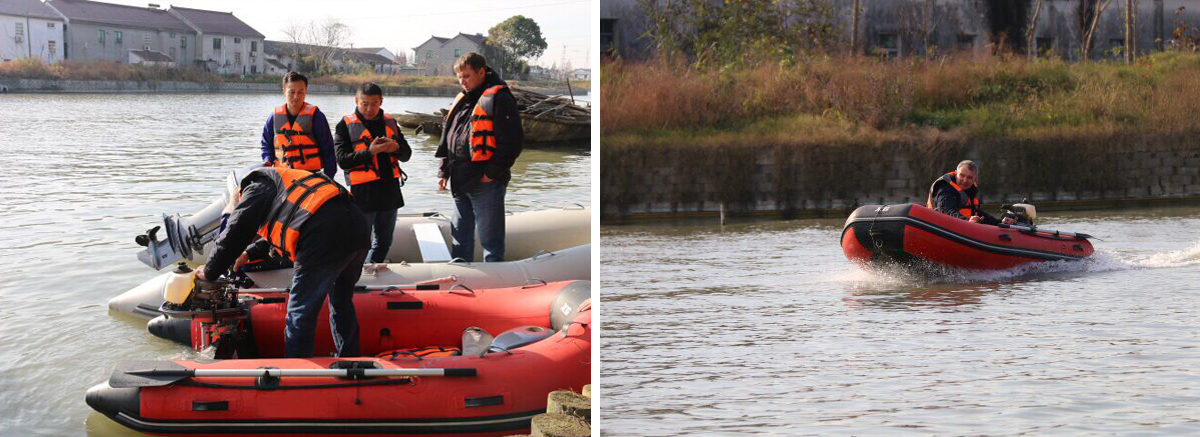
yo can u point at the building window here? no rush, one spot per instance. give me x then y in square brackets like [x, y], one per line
[966, 41]
[607, 26]
[888, 45]
[1045, 46]
[253, 46]
[146, 40]
[119, 36]
[216, 43]
[20, 32]
[172, 53]
[183, 42]
[457, 52]
[53, 48]
[100, 36]
[237, 40]
[429, 54]
[237, 57]
[253, 69]
[50, 25]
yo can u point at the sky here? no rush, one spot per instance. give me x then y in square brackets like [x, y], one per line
[404, 24]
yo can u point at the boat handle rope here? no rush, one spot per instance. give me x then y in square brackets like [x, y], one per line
[568, 325]
[577, 206]
[462, 286]
[871, 230]
[541, 252]
[457, 260]
[530, 283]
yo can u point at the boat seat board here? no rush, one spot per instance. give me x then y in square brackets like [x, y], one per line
[431, 242]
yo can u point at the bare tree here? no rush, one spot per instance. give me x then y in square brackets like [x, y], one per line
[328, 36]
[918, 19]
[1030, 33]
[854, 28]
[1090, 34]
[297, 33]
[1130, 31]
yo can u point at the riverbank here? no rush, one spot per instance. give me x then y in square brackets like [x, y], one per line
[822, 138]
[34, 76]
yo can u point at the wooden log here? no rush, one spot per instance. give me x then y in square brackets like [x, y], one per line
[559, 425]
[571, 403]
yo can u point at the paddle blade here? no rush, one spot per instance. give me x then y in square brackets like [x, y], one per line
[145, 373]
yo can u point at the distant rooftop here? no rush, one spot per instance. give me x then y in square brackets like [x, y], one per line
[217, 22]
[28, 8]
[120, 15]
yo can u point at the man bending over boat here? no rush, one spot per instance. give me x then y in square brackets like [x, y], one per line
[957, 195]
[314, 222]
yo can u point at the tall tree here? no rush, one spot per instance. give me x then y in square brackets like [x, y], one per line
[518, 41]
[854, 28]
[1130, 31]
[1030, 33]
[1090, 33]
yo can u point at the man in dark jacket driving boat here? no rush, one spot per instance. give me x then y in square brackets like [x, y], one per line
[956, 194]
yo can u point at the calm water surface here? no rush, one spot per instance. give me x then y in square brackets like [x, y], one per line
[84, 174]
[765, 328]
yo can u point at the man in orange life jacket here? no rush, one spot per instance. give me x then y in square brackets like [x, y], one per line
[297, 133]
[480, 142]
[311, 220]
[956, 194]
[370, 149]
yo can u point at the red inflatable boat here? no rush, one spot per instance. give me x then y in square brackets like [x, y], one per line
[388, 318]
[444, 386]
[914, 235]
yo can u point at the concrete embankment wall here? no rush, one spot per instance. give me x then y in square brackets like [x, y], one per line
[829, 180]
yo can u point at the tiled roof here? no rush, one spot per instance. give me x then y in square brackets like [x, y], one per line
[224, 23]
[118, 15]
[28, 8]
[367, 57]
[152, 56]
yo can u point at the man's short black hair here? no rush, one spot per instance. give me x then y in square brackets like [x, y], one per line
[294, 76]
[471, 59]
[370, 89]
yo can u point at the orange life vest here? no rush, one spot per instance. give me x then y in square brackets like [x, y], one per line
[301, 194]
[483, 130]
[968, 205]
[295, 145]
[362, 142]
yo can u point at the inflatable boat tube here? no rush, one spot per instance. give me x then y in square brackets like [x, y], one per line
[495, 394]
[914, 235]
[572, 263]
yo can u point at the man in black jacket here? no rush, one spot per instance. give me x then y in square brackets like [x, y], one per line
[311, 220]
[957, 194]
[370, 148]
[480, 142]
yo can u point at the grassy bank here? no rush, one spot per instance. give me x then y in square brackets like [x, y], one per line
[104, 70]
[863, 99]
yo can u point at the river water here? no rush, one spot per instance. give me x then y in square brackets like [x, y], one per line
[84, 174]
[765, 328]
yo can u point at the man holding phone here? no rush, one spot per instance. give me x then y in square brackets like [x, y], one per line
[370, 148]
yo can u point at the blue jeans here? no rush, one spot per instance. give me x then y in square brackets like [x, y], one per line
[482, 207]
[383, 224]
[310, 285]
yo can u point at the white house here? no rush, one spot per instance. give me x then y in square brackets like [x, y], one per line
[226, 43]
[581, 74]
[30, 29]
[436, 56]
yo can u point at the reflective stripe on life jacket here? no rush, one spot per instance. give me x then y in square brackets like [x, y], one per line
[295, 145]
[300, 194]
[967, 205]
[483, 130]
[362, 142]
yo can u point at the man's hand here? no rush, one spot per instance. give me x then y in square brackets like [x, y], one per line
[976, 219]
[1008, 221]
[384, 145]
[441, 184]
[485, 179]
[200, 273]
[241, 261]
